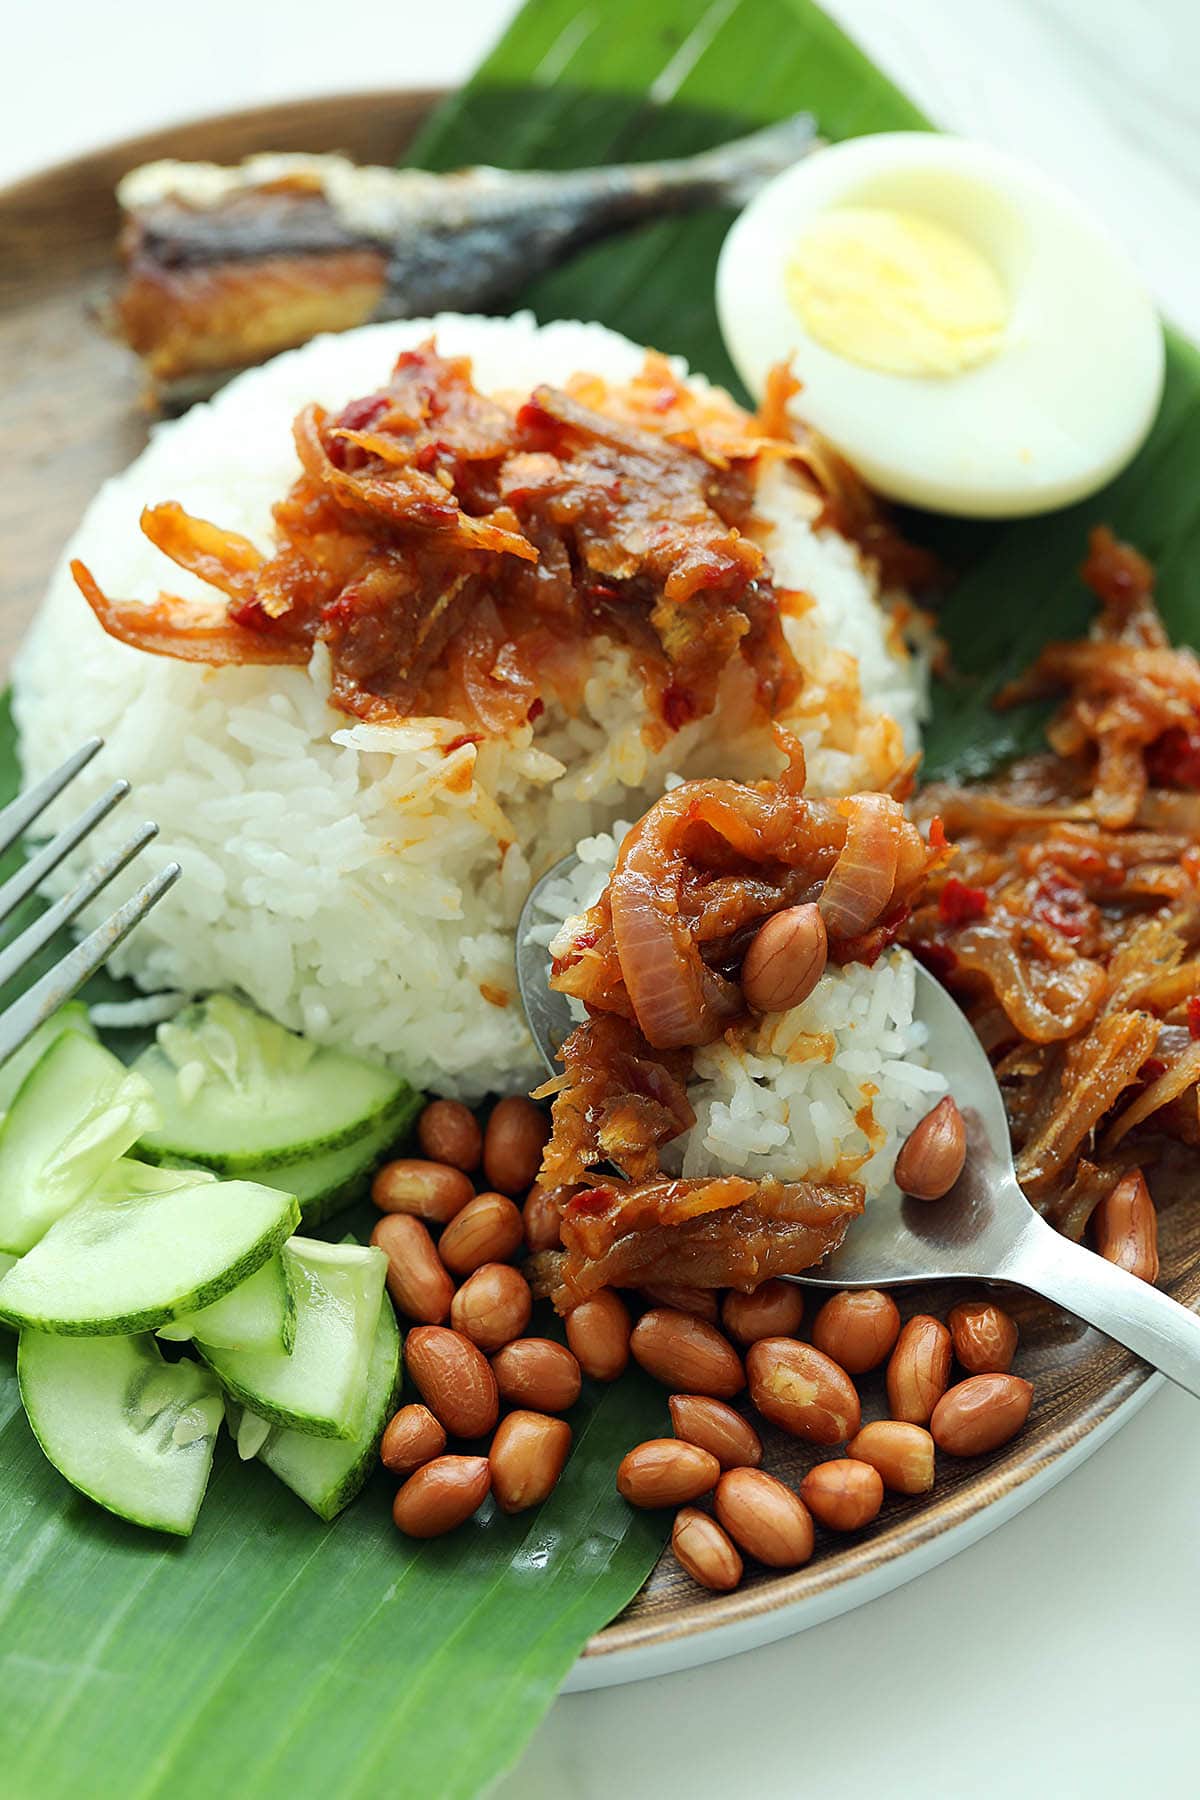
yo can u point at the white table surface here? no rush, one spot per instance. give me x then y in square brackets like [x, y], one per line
[1060, 1656]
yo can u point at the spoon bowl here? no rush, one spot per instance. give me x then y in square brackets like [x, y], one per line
[983, 1229]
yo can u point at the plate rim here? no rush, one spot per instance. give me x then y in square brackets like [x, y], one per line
[710, 1627]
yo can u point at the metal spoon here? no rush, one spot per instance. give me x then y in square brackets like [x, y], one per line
[983, 1229]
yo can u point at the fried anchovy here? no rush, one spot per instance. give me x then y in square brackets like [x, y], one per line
[226, 266]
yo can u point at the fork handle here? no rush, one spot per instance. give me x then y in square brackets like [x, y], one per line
[1148, 1322]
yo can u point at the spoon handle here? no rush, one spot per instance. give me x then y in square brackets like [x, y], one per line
[1150, 1323]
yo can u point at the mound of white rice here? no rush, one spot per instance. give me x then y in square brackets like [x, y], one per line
[356, 881]
[826, 1091]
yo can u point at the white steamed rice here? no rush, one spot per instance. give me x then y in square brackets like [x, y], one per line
[348, 878]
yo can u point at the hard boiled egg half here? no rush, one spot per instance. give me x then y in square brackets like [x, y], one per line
[965, 333]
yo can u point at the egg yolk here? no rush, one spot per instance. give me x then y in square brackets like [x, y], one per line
[896, 291]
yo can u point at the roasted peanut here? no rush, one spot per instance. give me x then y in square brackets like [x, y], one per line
[541, 1218]
[412, 1437]
[527, 1457]
[919, 1369]
[598, 1333]
[492, 1306]
[700, 1302]
[416, 1277]
[715, 1427]
[513, 1143]
[666, 1472]
[764, 1518]
[932, 1156]
[984, 1337]
[857, 1328]
[429, 1190]
[454, 1380]
[802, 1391]
[537, 1373]
[785, 961]
[844, 1494]
[1126, 1227]
[448, 1132]
[441, 1495]
[902, 1454]
[488, 1229]
[687, 1354]
[704, 1551]
[774, 1309]
[980, 1414]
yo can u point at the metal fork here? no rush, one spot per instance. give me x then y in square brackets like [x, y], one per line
[47, 994]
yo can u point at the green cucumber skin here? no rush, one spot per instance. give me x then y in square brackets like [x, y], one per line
[349, 1184]
[287, 1327]
[308, 1424]
[243, 1163]
[131, 1324]
[345, 1188]
[262, 1095]
[333, 1500]
[32, 1411]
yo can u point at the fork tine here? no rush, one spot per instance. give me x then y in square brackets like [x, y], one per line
[19, 814]
[19, 886]
[35, 937]
[67, 976]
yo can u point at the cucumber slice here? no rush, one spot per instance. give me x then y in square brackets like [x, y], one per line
[325, 1183]
[258, 1314]
[321, 1387]
[75, 1113]
[127, 1178]
[7, 1262]
[71, 1017]
[328, 1472]
[112, 1267]
[132, 1432]
[237, 1090]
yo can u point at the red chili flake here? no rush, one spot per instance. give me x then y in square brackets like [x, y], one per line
[678, 707]
[959, 904]
[589, 1205]
[251, 615]
[468, 737]
[343, 610]
[1193, 1016]
[360, 415]
[536, 710]
[586, 940]
[1061, 903]
[1152, 1068]
[533, 417]
[1173, 760]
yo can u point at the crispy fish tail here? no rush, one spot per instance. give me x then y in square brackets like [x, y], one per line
[227, 266]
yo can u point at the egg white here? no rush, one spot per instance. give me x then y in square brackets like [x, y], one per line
[1060, 407]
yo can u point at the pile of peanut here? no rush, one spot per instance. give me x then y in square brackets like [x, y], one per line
[807, 1390]
[467, 1353]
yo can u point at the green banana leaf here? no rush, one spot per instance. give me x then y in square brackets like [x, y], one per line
[270, 1654]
